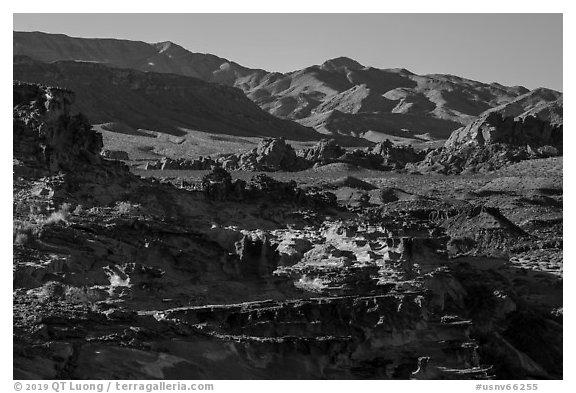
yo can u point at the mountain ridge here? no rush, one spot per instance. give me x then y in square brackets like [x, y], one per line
[160, 102]
[338, 97]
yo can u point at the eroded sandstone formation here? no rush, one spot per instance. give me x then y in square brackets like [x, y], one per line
[120, 277]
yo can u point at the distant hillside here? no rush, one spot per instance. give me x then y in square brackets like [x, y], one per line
[159, 102]
[545, 104]
[388, 101]
[340, 96]
[164, 57]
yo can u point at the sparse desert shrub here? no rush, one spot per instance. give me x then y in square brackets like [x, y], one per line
[65, 208]
[56, 218]
[24, 232]
[83, 295]
[125, 207]
[310, 284]
[57, 291]
[52, 290]
[96, 210]
[21, 239]
[59, 216]
[35, 210]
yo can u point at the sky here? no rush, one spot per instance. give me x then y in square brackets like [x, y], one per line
[511, 49]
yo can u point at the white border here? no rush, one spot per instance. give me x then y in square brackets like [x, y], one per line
[301, 6]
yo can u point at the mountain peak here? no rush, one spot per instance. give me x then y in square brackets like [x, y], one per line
[341, 62]
[166, 45]
[162, 46]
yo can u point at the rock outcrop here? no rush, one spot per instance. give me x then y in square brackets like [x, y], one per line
[271, 154]
[495, 140]
[325, 151]
[274, 154]
[515, 131]
[46, 134]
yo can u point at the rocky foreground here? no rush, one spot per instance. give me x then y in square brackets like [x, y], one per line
[120, 277]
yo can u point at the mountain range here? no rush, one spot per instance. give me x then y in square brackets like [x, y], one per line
[338, 97]
[167, 103]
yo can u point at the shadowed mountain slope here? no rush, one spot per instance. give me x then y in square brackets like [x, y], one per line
[160, 102]
[164, 57]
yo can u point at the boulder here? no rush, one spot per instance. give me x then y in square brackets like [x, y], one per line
[271, 154]
[325, 151]
[276, 154]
